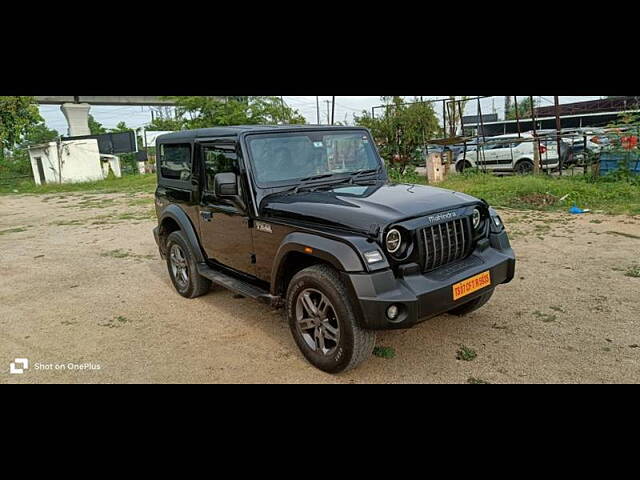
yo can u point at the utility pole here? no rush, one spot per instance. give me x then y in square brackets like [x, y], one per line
[536, 143]
[558, 129]
[333, 109]
[318, 108]
[284, 113]
[328, 119]
[507, 106]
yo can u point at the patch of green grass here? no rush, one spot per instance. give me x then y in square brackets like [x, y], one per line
[622, 234]
[128, 183]
[465, 353]
[384, 352]
[545, 317]
[477, 381]
[13, 230]
[542, 192]
[633, 271]
[119, 253]
[61, 223]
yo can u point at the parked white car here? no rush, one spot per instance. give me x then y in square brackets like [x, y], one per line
[510, 153]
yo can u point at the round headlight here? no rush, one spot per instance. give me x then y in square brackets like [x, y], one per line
[476, 218]
[394, 240]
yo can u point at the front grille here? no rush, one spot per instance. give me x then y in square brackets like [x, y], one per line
[446, 243]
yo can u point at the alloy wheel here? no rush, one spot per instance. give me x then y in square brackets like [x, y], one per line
[317, 322]
[179, 266]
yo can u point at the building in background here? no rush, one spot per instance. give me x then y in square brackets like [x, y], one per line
[71, 161]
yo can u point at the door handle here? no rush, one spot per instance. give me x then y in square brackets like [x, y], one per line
[207, 216]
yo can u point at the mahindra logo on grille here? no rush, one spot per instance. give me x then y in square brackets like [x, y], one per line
[439, 217]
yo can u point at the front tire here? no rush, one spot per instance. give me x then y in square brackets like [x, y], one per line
[183, 269]
[323, 321]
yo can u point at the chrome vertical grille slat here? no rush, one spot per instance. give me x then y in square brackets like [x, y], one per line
[453, 243]
[441, 244]
[433, 238]
[455, 236]
[450, 242]
[426, 246]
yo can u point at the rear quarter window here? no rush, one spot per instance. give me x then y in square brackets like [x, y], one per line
[175, 162]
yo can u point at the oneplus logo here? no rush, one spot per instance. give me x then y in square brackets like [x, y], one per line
[19, 366]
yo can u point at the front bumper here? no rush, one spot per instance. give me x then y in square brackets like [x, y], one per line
[422, 296]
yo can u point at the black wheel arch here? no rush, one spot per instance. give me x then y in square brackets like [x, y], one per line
[522, 160]
[175, 218]
[293, 255]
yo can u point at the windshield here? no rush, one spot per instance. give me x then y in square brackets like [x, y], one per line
[285, 158]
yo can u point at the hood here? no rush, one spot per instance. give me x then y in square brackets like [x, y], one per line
[357, 207]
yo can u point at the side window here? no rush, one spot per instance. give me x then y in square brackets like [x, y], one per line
[175, 161]
[219, 158]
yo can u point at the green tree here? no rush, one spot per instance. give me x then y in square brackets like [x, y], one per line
[401, 129]
[203, 111]
[454, 107]
[39, 134]
[18, 116]
[524, 109]
[162, 124]
[95, 127]
[120, 127]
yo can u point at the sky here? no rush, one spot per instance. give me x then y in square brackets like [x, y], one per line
[346, 107]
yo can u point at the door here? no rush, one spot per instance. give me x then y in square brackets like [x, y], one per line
[224, 226]
[40, 171]
[487, 155]
[502, 157]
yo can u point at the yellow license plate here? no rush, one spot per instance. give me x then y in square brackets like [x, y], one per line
[471, 285]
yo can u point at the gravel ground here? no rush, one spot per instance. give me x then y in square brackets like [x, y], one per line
[82, 286]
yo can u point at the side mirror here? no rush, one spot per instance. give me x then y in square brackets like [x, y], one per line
[225, 185]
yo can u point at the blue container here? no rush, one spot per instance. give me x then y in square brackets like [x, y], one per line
[610, 162]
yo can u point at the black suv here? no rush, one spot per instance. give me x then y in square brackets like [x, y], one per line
[305, 217]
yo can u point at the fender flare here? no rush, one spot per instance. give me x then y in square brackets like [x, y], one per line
[177, 214]
[341, 256]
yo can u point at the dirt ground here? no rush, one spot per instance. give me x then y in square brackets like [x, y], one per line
[83, 286]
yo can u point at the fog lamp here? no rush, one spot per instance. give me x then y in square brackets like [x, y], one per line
[392, 312]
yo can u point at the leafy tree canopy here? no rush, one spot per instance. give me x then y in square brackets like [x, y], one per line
[401, 129]
[38, 134]
[95, 127]
[18, 116]
[203, 112]
[524, 109]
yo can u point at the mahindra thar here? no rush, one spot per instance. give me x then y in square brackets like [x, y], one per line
[305, 217]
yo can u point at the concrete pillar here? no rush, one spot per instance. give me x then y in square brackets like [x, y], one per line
[77, 115]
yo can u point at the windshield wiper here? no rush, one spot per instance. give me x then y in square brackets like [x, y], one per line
[316, 177]
[363, 173]
[310, 181]
[357, 176]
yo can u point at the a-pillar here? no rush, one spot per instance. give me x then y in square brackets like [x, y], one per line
[77, 115]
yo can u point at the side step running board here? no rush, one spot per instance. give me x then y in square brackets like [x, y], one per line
[236, 285]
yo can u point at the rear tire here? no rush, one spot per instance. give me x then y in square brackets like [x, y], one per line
[462, 166]
[472, 305]
[323, 321]
[183, 269]
[524, 167]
